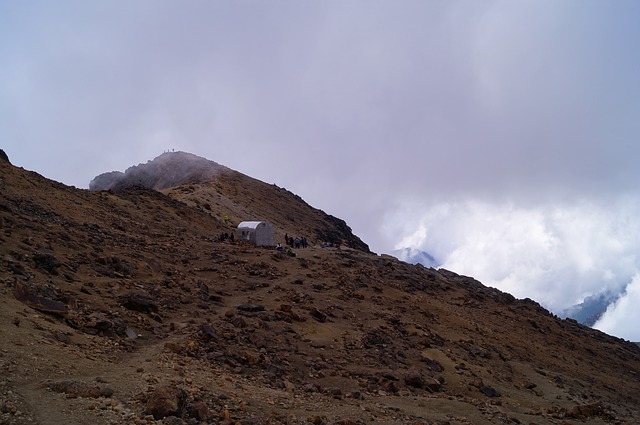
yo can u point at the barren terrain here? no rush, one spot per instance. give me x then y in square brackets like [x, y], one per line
[122, 307]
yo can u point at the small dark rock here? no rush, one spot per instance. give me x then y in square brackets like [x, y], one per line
[298, 317]
[119, 326]
[433, 385]
[239, 322]
[389, 386]
[208, 332]
[47, 262]
[433, 365]
[139, 302]
[489, 392]
[251, 308]
[217, 299]
[310, 388]
[99, 321]
[333, 391]
[318, 315]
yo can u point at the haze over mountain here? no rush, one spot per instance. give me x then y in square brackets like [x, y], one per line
[167, 170]
[120, 306]
[591, 310]
[415, 256]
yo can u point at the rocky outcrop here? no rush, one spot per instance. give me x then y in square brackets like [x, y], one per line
[4, 157]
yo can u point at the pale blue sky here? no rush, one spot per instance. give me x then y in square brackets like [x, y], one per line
[384, 113]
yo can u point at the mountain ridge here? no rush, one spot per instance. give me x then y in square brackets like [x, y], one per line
[121, 307]
[231, 197]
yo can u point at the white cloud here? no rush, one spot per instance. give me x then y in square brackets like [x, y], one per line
[555, 254]
[622, 318]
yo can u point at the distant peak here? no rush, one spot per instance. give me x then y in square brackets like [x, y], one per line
[415, 256]
[169, 169]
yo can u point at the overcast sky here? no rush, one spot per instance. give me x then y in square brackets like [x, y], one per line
[500, 136]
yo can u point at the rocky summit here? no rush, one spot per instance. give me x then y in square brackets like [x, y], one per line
[125, 305]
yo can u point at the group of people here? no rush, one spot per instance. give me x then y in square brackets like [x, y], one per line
[296, 242]
[224, 236]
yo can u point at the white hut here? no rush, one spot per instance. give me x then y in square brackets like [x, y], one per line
[258, 232]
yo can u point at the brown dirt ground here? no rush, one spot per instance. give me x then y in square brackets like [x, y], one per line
[240, 334]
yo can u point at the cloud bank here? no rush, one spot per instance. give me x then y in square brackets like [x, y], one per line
[556, 254]
[623, 316]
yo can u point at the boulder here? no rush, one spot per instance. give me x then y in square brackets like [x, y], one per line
[166, 401]
[199, 411]
[43, 304]
[413, 378]
[47, 262]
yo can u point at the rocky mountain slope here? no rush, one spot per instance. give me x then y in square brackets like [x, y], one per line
[118, 307]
